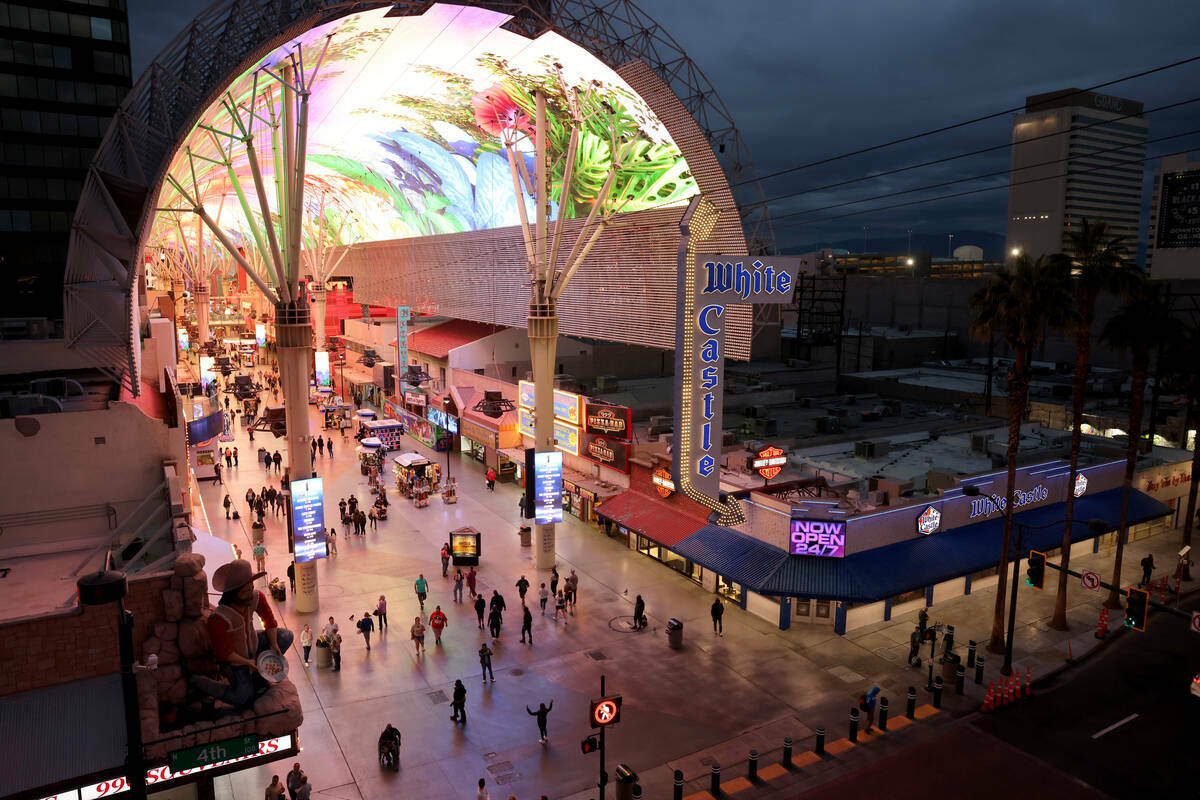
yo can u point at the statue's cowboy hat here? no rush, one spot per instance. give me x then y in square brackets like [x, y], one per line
[234, 575]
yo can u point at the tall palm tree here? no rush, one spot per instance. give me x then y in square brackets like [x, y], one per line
[1097, 264]
[1184, 356]
[1138, 327]
[1018, 304]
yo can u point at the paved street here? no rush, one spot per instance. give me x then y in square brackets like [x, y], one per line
[682, 707]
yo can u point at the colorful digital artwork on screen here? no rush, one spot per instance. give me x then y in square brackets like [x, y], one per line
[405, 131]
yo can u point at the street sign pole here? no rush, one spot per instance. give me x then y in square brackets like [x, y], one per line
[1123, 592]
[603, 775]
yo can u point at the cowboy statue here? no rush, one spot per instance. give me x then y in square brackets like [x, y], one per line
[235, 643]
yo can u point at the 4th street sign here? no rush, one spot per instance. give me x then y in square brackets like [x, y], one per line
[212, 753]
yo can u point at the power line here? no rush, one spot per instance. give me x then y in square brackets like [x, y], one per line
[956, 125]
[997, 173]
[1004, 146]
[981, 190]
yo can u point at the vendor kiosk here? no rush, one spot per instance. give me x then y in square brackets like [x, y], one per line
[370, 456]
[387, 431]
[416, 477]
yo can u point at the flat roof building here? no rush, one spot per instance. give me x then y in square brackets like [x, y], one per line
[1173, 246]
[1075, 155]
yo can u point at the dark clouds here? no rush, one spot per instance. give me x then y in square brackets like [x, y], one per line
[809, 79]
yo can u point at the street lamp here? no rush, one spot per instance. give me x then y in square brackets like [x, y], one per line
[1097, 526]
[1016, 251]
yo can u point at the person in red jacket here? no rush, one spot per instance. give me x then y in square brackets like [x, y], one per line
[437, 621]
[235, 643]
[491, 479]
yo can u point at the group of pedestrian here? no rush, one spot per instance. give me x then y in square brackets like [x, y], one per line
[231, 454]
[270, 459]
[297, 786]
[354, 519]
[321, 446]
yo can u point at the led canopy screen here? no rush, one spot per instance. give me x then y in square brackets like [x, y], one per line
[407, 126]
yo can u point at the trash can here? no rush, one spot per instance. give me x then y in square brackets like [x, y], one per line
[950, 662]
[625, 779]
[674, 633]
[526, 536]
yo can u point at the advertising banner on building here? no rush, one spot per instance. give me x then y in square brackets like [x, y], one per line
[308, 519]
[321, 367]
[607, 451]
[525, 422]
[606, 420]
[547, 486]
[1179, 210]
[207, 371]
[567, 407]
[525, 394]
[566, 437]
[403, 314]
[260, 335]
[415, 399]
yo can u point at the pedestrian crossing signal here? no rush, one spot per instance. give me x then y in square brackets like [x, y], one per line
[589, 745]
[605, 711]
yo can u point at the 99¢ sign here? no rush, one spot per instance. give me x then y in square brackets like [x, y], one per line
[606, 711]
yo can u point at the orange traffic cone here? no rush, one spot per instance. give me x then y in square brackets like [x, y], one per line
[1028, 681]
[988, 698]
[1016, 679]
[1004, 687]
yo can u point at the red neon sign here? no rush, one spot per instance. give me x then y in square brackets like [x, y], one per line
[769, 462]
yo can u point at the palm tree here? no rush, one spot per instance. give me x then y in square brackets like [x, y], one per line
[1096, 265]
[1138, 327]
[1018, 304]
[1184, 356]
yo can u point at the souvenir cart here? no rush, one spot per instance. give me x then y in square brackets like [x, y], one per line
[336, 412]
[450, 491]
[387, 431]
[370, 456]
[415, 473]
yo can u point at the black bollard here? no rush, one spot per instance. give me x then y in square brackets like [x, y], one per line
[937, 692]
[929, 686]
[971, 645]
[960, 679]
[854, 724]
[949, 639]
[883, 712]
[637, 791]
[910, 709]
[715, 781]
[787, 752]
[678, 785]
[979, 670]
[752, 767]
[819, 747]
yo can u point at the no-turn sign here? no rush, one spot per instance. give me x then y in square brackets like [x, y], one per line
[1090, 580]
[1196, 622]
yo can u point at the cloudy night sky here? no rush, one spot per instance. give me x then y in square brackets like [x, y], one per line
[809, 80]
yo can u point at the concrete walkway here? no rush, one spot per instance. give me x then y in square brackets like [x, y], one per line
[711, 700]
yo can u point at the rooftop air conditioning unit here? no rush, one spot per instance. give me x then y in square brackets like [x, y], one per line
[864, 449]
[877, 498]
[980, 442]
[750, 412]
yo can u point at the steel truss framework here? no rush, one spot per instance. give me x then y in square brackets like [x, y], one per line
[116, 208]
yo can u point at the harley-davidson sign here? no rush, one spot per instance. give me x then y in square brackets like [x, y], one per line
[606, 451]
[611, 421]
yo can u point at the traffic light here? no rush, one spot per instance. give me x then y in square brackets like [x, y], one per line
[589, 745]
[1035, 575]
[1137, 606]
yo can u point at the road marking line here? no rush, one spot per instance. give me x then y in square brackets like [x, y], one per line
[1114, 726]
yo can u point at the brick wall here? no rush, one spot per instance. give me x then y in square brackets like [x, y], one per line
[79, 644]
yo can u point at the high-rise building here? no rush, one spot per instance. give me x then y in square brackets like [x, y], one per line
[64, 69]
[1173, 246]
[1075, 155]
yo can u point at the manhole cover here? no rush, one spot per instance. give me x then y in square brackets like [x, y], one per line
[516, 671]
[622, 625]
[503, 779]
[500, 766]
[597, 655]
[438, 697]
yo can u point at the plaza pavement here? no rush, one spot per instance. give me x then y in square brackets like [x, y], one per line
[710, 701]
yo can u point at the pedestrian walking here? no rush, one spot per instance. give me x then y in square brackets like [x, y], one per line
[560, 607]
[266, 459]
[228, 458]
[417, 631]
[485, 661]
[923, 621]
[335, 648]
[491, 479]
[526, 624]
[331, 540]
[277, 460]
[329, 443]
[275, 790]
[482, 794]
[718, 613]
[365, 626]
[321, 446]
[1147, 569]
[471, 575]
[342, 508]
[866, 704]
[495, 622]
[304, 790]
[522, 587]
[914, 646]
[639, 613]
[235, 456]
[445, 558]
[458, 703]
[497, 602]
[260, 557]
[554, 581]
[306, 641]
[373, 519]
[543, 596]
[291, 573]
[250, 498]
[381, 612]
[293, 780]
[437, 621]
[421, 587]
[480, 607]
[458, 585]
[542, 713]
[217, 470]
[227, 503]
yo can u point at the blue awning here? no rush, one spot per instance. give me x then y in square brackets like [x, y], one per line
[898, 568]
